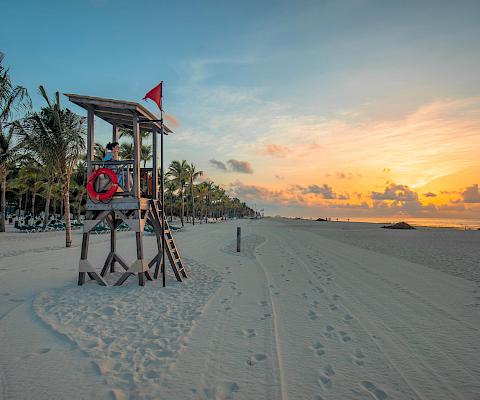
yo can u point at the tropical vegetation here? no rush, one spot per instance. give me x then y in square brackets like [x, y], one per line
[43, 166]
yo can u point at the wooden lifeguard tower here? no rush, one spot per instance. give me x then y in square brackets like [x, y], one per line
[140, 199]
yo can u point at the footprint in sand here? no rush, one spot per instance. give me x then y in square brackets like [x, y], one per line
[312, 315]
[328, 370]
[345, 336]
[16, 300]
[265, 316]
[359, 358]
[37, 353]
[223, 390]
[332, 307]
[377, 393]
[317, 348]
[330, 332]
[249, 333]
[263, 303]
[325, 381]
[347, 318]
[256, 358]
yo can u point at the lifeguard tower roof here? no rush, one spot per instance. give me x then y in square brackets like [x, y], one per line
[119, 112]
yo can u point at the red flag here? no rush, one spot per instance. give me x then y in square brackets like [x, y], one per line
[156, 95]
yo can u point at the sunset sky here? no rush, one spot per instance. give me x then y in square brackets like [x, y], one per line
[356, 109]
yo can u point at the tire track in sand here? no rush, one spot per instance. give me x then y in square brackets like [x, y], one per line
[278, 350]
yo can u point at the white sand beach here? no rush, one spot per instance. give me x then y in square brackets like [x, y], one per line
[307, 310]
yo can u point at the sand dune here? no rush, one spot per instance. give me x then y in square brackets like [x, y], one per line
[300, 313]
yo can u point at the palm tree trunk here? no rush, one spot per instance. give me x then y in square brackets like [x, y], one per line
[47, 202]
[34, 195]
[26, 203]
[79, 207]
[66, 202]
[19, 203]
[193, 203]
[3, 203]
[183, 207]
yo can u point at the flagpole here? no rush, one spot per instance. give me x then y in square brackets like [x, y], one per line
[162, 190]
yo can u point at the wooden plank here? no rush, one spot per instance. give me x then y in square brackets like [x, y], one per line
[121, 261]
[113, 243]
[123, 278]
[154, 166]
[107, 264]
[100, 103]
[90, 139]
[136, 158]
[115, 204]
[114, 133]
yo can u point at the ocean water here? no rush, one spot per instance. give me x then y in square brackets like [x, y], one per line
[430, 222]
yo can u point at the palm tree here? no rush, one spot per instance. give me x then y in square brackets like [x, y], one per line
[177, 172]
[99, 151]
[170, 188]
[123, 132]
[127, 151]
[145, 154]
[192, 175]
[9, 155]
[13, 99]
[32, 178]
[57, 135]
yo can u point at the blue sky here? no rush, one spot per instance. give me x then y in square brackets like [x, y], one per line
[237, 73]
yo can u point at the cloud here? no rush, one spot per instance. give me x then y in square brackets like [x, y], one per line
[218, 164]
[363, 205]
[471, 194]
[235, 166]
[430, 194]
[324, 191]
[172, 121]
[275, 150]
[396, 193]
[255, 192]
[240, 166]
[347, 175]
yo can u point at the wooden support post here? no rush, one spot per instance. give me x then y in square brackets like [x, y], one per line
[239, 238]
[90, 139]
[154, 166]
[138, 237]
[113, 242]
[114, 134]
[83, 256]
[162, 199]
[136, 157]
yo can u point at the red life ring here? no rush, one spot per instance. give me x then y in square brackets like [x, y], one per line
[103, 196]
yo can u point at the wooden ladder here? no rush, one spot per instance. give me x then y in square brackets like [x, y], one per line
[170, 246]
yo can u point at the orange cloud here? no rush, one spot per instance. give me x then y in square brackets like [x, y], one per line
[172, 121]
[275, 150]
